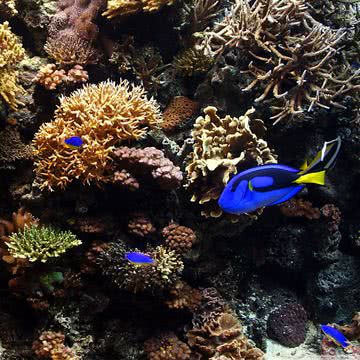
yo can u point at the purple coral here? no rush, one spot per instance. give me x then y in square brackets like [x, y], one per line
[287, 325]
[142, 163]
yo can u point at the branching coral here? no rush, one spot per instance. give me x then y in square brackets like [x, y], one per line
[162, 274]
[178, 238]
[222, 338]
[140, 225]
[179, 110]
[72, 32]
[166, 347]
[221, 145]
[183, 296]
[102, 115]
[11, 54]
[148, 163]
[8, 7]
[291, 56]
[128, 7]
[37, 243]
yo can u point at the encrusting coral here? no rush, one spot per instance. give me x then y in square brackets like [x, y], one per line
[128, 7]
[221, 146]
[183, 296]
[148, 163]
[166, 347]
[178, 238]
[12, 52]
[72, 32]
[163, 273]
[39, 243]
[102, 115]
[292, 57]
[179, 110]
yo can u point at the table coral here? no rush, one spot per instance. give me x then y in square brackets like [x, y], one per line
[183, 296]
[129, 7]
[148, 163]
[102, 115]
[12, 52]
[179, 238]
[292, 57]
[179, 110]
[166, 347]
[221, 146]
[38, 243]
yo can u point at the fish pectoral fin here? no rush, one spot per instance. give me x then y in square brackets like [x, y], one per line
[312, 178]
[251, 188]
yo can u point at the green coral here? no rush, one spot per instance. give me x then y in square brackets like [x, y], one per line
[37, 243]
[50, 279]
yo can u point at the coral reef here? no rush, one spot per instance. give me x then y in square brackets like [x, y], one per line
[288, 325]
[146, 163]
[125, 115]
[38, 243]
[183, 296]
[179, 238]
[221, 146]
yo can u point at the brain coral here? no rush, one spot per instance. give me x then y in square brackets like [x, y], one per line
[221, 146]
[102, 115]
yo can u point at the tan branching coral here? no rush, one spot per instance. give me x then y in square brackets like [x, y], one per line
[148, 163]
[222, 338]
[299, 207]
[221, 146]
[183, 296]
[140, 225]
[292, 57]
[166, 347]
[179, 238]
[11, 53]
[129, 7]
[102, 115]
[180, 109]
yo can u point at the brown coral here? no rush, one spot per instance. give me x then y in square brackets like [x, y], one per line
[179, 238]
[352, 331]
[102, 115]
[49, 76]
[89, 264]
[221, 146]
[77, 74]
[148, 163]
[292, 57]
[128, 7]
[183, 296]
[300, 208]
[166, 347]
[140, 225]
[333, 215]
[222, 336]
[180, 109]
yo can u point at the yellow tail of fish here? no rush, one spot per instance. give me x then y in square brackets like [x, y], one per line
[312, 178]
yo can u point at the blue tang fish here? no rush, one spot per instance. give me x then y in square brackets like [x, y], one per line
[274, 184]
[139, 258]
[336, 336]
[74, 142]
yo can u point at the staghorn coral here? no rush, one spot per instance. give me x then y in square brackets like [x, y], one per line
[299, 207]
[222, 338]
[221, 145]
[179, 110]
[178, 238]
[183, 296]
[102, 115]
[49, 76]
[36, 243]
[288, 325]
[126, 275]
[12, 149]
[140, 225]
[12, 52]
[148, 163]
[292, 57]
[129, 7]
[166, 347]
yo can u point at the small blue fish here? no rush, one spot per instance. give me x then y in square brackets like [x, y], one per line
[139, 258]
[274, 184]
[74, 142]
[336, 336]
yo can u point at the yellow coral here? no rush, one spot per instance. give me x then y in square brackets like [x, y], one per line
[221, 145]
[128, 7]
[102, 115]
[11, 53]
